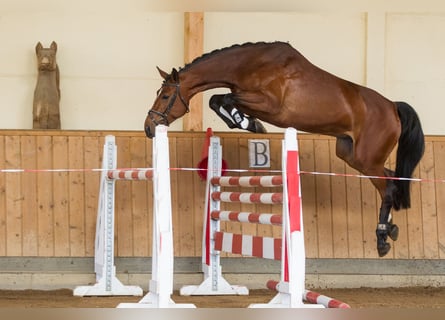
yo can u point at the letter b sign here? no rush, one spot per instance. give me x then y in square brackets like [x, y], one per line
[259, 153]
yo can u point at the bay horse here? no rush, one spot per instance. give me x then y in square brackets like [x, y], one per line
[275, 83]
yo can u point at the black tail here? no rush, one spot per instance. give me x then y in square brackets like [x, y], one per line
[409, 152]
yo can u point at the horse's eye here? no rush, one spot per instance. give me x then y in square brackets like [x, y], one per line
[165, 97]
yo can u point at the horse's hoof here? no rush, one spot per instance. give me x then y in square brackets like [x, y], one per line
[383, 249]
[393, 232]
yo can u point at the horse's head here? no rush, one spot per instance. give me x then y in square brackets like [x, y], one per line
[169, 104]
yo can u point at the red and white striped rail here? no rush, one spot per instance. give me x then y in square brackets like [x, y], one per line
[313, 297]
[247, 197]
[247, 245]
[130, 174]
[248, 217]
[254, 181]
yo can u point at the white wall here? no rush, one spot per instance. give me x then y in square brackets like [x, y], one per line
[107, 58]
[107, 65]
[415, 65]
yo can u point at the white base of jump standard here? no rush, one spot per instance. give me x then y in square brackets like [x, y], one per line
[101, 289]
[154, 299]
[208, 287]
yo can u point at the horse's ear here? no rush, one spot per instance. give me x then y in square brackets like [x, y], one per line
[38, 47]
[175, 75]
[54, 46]
[163, 74]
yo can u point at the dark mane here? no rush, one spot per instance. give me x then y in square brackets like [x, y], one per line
[217, 51]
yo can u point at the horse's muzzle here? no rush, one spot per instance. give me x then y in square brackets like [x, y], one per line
[149, 132]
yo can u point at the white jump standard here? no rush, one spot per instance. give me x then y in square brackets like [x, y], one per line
[161, 283]
[107, 284]
[289, 249]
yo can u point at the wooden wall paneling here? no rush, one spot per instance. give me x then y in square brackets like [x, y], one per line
[339, 205]
[93, 159]
[276, 164]
[76, 196]
[439, 156]
[199, 189]
[429, 211]
[59, 209]
[174, 187]
[231, 154]
[186, 214]
[149, 196]
[308, 194]
[14, 197]
[323, 199]
[275, 157]
[29, 185]
[61, 197]
[401, 246]
[3, 219]
[45, 205]
[370, 213]
[123, 208]
[139, 195]
[414, 221]
[354, 212]
[247, 228]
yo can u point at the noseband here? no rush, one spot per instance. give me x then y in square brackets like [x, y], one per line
[167, 110]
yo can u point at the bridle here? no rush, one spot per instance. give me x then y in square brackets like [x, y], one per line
[167, 110]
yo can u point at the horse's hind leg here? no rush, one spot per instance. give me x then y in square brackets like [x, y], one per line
[386, 189]
[385, 226]
[224, 107]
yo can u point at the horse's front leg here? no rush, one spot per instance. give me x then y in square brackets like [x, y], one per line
[225, 108]
[385, 226]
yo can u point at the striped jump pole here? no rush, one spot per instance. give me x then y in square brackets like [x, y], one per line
[313, 297]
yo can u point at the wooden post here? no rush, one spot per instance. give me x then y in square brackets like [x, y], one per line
[193, 47]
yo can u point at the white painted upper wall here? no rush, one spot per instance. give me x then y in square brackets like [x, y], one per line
[415, 65]
[107, 59]
[107, 62]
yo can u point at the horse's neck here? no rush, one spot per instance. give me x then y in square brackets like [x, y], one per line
[207, 75]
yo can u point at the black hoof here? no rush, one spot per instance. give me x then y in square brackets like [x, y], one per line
[393, 232]
[383, 249]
